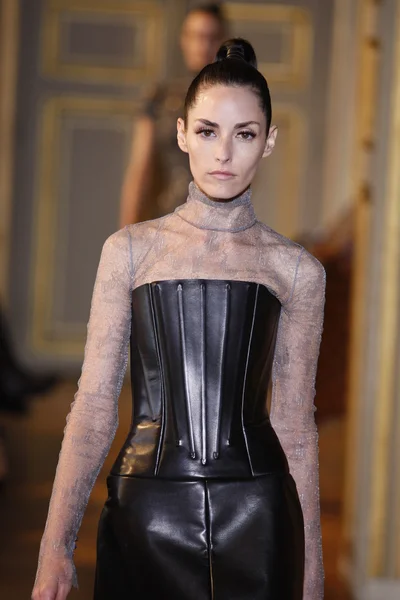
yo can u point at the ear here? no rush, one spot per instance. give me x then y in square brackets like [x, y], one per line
[181, 135]
[271, 140]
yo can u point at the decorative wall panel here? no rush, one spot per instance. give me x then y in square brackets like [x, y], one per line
[83, 151]
[102, 42]
[282, 37]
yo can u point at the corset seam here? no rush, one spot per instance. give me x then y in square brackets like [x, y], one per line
[209, 538]
[221, 374]
[160, 366]
[165, 372]
[185, 370]
[245, 376]
[203, 376]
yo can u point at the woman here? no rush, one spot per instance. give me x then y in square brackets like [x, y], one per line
[203, 498]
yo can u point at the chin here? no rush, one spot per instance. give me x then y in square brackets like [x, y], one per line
[223, 190]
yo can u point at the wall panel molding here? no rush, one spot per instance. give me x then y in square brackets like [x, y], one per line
[281, 204]
[294, 24]
[59, 118]
[74, 33]
[9, 39]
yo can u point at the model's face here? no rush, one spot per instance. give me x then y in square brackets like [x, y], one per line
[200, 39]
[225, 137]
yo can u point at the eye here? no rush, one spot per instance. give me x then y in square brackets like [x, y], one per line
[247, 135]
[204, 132]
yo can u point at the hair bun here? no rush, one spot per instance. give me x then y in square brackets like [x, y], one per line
[238, 49]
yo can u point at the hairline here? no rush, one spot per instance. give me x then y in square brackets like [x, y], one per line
[205, 86]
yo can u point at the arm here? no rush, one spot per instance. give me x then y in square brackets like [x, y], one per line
[138, 172]
[93, 418]
[292, 410]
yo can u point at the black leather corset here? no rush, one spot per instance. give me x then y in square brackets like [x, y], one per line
[201, 360]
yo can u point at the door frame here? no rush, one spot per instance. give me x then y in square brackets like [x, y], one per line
[9, 45]
[340, 127]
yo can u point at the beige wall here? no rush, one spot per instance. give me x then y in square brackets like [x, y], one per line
[8, 74]
[337, 194]
[372, 521]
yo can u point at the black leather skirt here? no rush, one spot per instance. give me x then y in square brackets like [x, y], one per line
[200, 539]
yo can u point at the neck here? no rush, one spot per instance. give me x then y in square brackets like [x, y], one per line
[222, 200]
[235, 214]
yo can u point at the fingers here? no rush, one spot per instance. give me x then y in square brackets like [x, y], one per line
[63, 591]
[43, 595]
[54, 591]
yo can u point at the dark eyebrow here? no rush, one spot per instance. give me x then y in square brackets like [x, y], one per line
[246, 124]
[237, 126]
[209, 123]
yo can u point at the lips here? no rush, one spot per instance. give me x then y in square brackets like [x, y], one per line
[222, 174]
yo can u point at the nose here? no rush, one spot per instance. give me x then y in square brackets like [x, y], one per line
[224, 150]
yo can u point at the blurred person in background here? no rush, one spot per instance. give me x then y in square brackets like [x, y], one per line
[157, 176]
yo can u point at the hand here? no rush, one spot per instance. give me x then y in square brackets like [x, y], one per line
[51, 590]
[54, 580]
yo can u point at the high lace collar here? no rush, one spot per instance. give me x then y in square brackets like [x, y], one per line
[204, 213]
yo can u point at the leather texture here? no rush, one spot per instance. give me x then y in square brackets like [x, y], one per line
[201, 361]
[201, 504]
[200, 540]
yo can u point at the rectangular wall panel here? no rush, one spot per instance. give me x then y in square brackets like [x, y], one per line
[102, 42]
[84, 145]
[282, 37]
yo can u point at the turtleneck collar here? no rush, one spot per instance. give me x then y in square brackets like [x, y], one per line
[204, 213]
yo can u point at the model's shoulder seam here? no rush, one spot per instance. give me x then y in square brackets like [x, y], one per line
[279, 236]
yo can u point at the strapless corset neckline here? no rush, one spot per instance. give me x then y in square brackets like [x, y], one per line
[201, 360]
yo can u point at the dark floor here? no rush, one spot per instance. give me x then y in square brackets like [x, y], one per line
[33, 444]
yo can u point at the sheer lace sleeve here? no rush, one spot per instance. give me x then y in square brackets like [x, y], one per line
[92, 421]
[292, 409]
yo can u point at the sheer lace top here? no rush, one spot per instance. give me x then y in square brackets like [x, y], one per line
[207, 240]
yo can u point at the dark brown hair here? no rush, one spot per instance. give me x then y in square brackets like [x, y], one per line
[235, 65]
